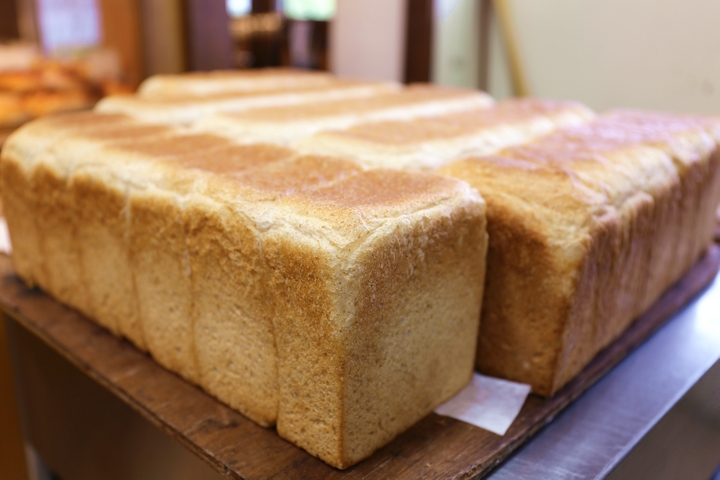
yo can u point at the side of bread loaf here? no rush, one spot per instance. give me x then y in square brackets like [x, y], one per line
[587, 228]
[394, 297]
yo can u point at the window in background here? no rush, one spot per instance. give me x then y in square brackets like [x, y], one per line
[280, 33]
[307, 31]
[238, 8]
[67, 25]
[322, 10]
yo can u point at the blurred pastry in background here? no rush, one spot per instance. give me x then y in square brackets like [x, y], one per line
[32, 86]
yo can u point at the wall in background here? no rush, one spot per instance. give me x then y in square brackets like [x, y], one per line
[162, 35]
[367, 39]
[121, 32]
[606, 53]
[610, 53]
[455, 49]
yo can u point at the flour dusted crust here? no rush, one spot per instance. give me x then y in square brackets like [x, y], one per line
[247, 268]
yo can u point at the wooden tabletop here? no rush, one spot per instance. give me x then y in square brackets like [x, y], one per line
[435, 447]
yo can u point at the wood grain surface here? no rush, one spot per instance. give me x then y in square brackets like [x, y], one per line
[435, 447]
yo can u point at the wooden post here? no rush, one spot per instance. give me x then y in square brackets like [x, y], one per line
[418, 41]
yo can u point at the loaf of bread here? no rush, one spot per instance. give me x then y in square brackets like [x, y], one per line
[230, 81]
[588, 227]
[340, 304]
[286, 124]
[429, 143]
[186, 109]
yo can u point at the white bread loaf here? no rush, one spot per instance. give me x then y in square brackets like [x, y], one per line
[309, 278]
[230, 81]
[588, 227]
[286, 124]
[429, 143]
[183, 110]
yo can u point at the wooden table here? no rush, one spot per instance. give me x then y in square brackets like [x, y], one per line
[236, 447]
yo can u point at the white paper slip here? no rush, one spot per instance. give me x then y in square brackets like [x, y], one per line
[5, 246]
[487, 402]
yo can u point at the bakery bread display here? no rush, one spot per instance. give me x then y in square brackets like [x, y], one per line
[340, 304]
[312, 251]
[46, 87]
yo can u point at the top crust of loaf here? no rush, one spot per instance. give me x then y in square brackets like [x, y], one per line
[179, 110]
[30, 140]
[285, 124]
[571, 178]
[222, 81]
[433, 142]
[404, 98]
